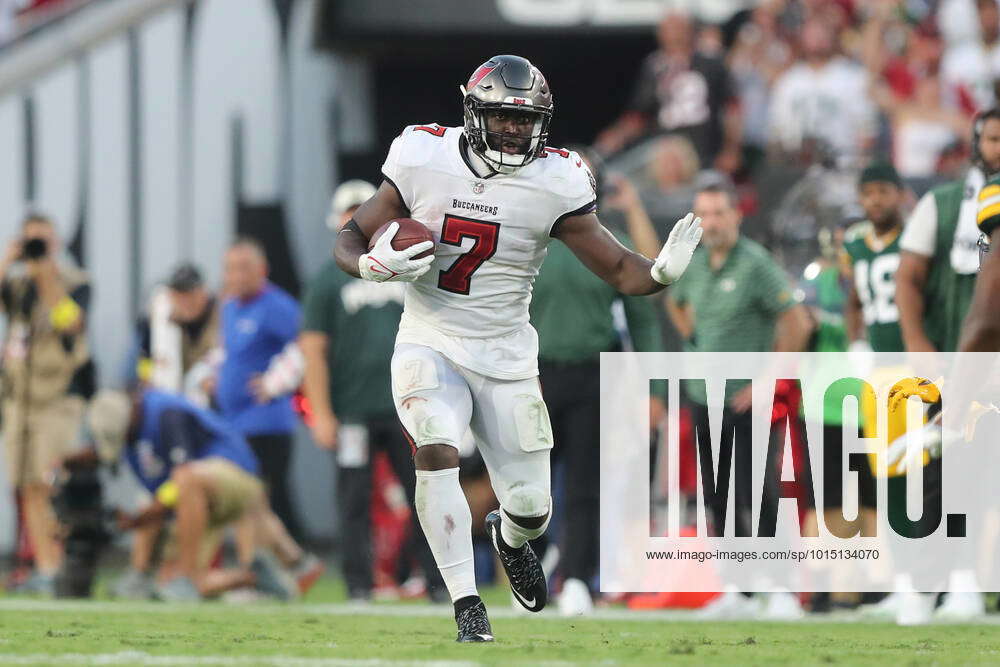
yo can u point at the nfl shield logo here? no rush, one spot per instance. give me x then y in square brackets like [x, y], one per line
[478, 187]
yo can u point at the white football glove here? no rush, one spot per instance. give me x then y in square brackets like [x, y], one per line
[384, 263]
[934, 439]
[676, 253]
[929, 438]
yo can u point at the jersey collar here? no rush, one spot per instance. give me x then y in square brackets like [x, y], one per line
[476, 164]
[878, 243]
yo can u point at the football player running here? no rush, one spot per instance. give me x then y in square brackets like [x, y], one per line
[493, 195]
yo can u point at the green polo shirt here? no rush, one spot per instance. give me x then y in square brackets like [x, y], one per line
[571, 310]
[361, 318]
[735, 307]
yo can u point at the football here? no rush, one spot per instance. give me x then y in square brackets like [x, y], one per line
[410, 233]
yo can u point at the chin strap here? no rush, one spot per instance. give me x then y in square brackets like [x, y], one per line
[476, 161]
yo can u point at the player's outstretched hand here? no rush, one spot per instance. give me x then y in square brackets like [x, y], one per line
[383, 263]
[930, 438]
[676, 254]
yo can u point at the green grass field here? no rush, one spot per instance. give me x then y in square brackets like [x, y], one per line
[323, 630]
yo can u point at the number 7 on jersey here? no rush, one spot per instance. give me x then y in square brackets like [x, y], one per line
[458, 278]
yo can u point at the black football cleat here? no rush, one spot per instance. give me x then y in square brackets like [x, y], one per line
[473, 624]
[524, 571]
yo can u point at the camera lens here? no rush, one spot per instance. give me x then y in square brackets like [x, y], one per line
[34, 248]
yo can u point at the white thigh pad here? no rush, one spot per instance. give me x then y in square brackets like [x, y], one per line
[413, 373]
[432, 399]
[531, 419]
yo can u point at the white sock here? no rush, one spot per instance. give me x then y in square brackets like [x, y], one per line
[447, 522]
[515, 535]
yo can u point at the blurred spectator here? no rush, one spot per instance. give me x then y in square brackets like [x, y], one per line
[952, 163]
[925, 115]
[671, 171]
[898, 55]
[347, 340]
[260, 323]
[179, 334]
[822, 198]
[973, 66]
[940, 252]
[709, 41]
[47, 375]
[823, 96]
[958, 20]
[203, 471]
[684, 92]
[572, 333]
[758, 56]
[922, 127]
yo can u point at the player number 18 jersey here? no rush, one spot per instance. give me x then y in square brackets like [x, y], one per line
[874, 273]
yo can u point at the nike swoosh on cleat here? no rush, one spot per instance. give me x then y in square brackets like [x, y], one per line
[524, 601]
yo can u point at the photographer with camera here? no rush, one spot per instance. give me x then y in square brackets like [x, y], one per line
[46, 377]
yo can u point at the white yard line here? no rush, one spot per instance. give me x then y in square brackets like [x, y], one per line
[326, 609]
[140, 658]
[397, 610]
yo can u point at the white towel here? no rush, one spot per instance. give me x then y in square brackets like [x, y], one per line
[165, 343]
[965, 246]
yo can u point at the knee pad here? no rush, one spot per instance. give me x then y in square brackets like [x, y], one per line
[527, 511]
[525, 500]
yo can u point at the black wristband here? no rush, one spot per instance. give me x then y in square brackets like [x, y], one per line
[352, 226]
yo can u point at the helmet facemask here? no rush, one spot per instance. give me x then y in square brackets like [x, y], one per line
[488, 144]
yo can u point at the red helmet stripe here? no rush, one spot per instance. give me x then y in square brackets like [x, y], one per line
[479, 75]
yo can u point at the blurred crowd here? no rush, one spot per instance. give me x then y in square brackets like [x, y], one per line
[791, 85]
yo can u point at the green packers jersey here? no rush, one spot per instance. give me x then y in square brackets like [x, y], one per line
[360, 318]
[873, 264]
[947, 294]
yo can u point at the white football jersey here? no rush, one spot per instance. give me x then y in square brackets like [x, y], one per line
[490, 239]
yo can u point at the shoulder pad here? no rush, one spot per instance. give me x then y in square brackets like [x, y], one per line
[567, 173]
[419, 143]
